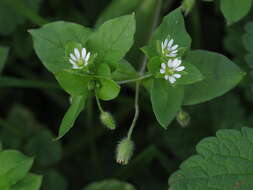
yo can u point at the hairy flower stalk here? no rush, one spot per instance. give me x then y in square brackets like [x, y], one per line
[79, 58]
[171, 70]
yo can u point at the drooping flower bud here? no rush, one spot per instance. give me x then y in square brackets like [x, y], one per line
[183, 118]
[125, 151]
[108, 120]
[188, 5]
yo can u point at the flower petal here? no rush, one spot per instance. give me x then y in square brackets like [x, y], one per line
[177, 76]
[75, 67]
[162, 71]
[176, 63]
[180, 68]
[87, 57]
[72, 62]
[174, 52]
[172, 79]
[163, 65]
[83, 53]
[166, 77]
[170, 63]
[77, 53]
[174, 47]
[170, 44]
[73, 57]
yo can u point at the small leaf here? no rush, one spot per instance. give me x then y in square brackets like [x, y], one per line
[173, 27]
[103, 70]
[223, 162]
[3, 57]
[113, 39]
[108, 89]
[220, 75]
[51, 39]
[72, 82]
[110, 184]
[77, 105]
[29, 182]
[14, 166]
[235, 10]
[166, 101]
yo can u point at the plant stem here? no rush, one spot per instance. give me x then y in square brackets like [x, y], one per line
[134, 80]
[142, 70]
[98, 103]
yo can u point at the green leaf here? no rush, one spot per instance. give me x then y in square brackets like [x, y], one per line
[117, 8]
[113, 39]
[172, 26]
[108, 89]
[29, 182]
[235, 10]
[41, 146]
[166, 101]
[77, 105]
[14, 166]
[3, 57]
[124, 71]
[110, 184]
[53, 180]
[224, 162]
[51, 39]
[10, 18]
[103, 70]
[220, 75]
[73, 82]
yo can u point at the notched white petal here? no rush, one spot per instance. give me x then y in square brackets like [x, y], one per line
[83, 53]
[166, 77]
[172, 79]
[163, 65]
[162, 71]
[174, 47]
[170, 43]
[177, 76]
[181, 68]
[72, 62]
[73, 57]
[77, 53]
[87, 57]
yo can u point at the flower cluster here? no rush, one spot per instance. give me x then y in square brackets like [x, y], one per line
[171, 70]
[79, 58]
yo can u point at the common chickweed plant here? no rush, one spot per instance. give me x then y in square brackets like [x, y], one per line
[93, 65]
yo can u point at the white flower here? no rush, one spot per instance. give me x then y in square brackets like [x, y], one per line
[168, 49]
[79, 58]
[171, 69]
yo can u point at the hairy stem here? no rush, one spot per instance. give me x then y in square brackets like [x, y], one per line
[135, 80]
[142, 70]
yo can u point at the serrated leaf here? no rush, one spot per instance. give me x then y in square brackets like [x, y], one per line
[224, 162]
[110, 184]
[108, 89]
[77, 105]
[235, 10]
[29, 182]
[220, 75]
[166, 101]
[51, 39]
[14, 166]
[3, 56]
[172, 26]
[113, 39]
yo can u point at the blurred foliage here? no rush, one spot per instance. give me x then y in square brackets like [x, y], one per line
[32, 105]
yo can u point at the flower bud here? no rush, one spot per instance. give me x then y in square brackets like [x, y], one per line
[187, 5]
[183, 118]
[125, 151]
[107, 119]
